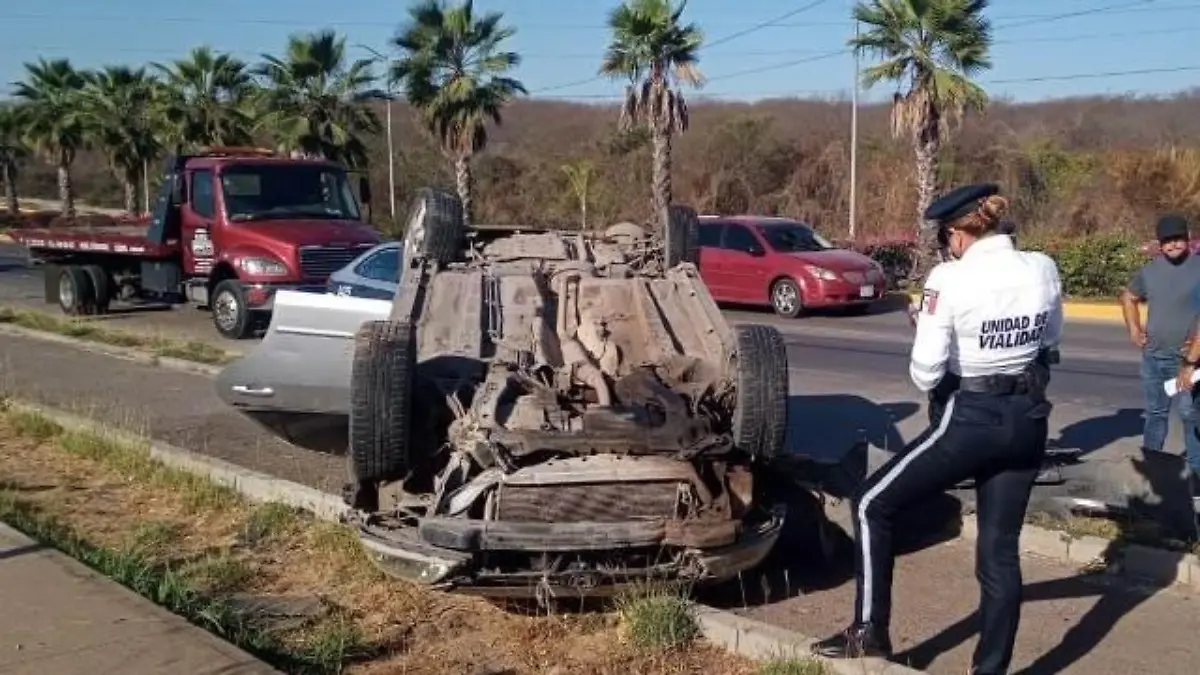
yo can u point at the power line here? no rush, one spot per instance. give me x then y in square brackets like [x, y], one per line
[1107, 9]
[727, 38]
[1080, 37]
[1014, 80]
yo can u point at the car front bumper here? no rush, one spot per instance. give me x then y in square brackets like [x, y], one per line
[711, 555]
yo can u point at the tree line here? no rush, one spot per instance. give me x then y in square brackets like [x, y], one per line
[456, 74]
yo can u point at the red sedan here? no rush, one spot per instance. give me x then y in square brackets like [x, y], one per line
[783, 263]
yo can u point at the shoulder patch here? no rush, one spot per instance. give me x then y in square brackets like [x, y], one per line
[929, 301]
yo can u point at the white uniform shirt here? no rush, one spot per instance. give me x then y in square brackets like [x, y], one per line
[987, 313]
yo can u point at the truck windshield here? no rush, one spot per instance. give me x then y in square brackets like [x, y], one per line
[279, 191]
[795, 238]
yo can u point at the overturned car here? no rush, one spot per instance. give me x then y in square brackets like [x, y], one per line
[557, 412]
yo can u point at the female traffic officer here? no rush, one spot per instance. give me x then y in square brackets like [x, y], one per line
[987, 320]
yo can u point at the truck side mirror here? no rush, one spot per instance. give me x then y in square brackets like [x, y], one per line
[364, 190]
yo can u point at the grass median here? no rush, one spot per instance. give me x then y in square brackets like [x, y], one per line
[298, 592]
[83, 329]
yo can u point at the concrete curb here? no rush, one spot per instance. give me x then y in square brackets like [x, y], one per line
[128, 353]
[1132, 562]
[1082, 311]
[763, 642]
[746, 637]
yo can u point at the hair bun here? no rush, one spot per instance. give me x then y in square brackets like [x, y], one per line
[992, 209]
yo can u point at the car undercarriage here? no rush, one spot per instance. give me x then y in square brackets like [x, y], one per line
[556, 412]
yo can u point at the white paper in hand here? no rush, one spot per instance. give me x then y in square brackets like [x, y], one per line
[1172, 389]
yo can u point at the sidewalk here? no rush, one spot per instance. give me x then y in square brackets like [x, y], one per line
[59, 617]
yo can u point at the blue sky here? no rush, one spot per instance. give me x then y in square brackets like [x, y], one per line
[561, 41]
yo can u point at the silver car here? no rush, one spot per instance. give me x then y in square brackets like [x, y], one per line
[374, 274]
[531, 414]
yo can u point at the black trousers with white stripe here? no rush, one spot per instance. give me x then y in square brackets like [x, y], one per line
[1000, 442]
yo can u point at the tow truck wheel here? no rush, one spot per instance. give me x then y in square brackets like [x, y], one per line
[102, 287]
[76, 296]
[230, 314]
[760, 417]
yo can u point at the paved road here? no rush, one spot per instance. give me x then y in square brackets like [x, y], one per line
[1114, 627]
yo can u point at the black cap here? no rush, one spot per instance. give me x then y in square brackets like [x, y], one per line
[1170, 227]
[959, 202]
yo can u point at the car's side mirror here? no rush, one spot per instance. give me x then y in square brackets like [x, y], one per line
[364, 190]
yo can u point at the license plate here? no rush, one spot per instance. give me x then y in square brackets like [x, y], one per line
[866, 291]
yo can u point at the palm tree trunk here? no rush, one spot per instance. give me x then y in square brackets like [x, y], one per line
[927, 144]
[662, 174]
[466, 186]
[66, 196]
[10, 189]
[130, 195]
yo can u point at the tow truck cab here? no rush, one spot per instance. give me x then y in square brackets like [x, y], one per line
[229, 227]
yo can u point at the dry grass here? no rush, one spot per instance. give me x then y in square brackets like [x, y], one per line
[202, 550]
[1131, 530]
[188, 350]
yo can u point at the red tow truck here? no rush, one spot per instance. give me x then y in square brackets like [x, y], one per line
[229, 228]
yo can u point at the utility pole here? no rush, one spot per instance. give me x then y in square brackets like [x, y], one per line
[854, 145]
[390, 152]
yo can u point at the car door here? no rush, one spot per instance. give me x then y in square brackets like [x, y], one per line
[712, 259]
[745, 268]
[196, 223]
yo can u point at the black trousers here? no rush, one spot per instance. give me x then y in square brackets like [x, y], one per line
[1000, 442]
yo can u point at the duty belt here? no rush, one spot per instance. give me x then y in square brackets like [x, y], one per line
[996, 385]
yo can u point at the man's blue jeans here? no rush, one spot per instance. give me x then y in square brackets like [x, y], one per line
[1157, 368]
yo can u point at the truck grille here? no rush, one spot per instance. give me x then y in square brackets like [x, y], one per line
[318, 262]
[596, 502]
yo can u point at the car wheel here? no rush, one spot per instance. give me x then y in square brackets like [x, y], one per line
[76, 296]
[786, 298]
[381, 390]
[682, 236]
[760, 417]
[102, 286]
[435, 229]
[229, 312]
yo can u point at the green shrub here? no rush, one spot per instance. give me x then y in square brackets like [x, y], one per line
[1098, 266]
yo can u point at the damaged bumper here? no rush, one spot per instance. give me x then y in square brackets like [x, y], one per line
[455, 552]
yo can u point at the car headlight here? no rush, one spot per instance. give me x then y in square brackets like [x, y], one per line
[821, 273]
[263, 267]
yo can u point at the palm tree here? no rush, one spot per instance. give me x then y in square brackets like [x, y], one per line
[931, 49]
[12, 153]
[657, 55]
[315, 99]
[51, 95]
[579, 177]
[208, 99]
[124, 123]
[454, 74]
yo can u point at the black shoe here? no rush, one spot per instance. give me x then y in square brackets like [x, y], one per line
[858, 641]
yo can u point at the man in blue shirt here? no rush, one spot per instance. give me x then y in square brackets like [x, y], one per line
[1168, 285]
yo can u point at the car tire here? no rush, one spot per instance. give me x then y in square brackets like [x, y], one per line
[787, 299]
[230, 315]
[682, 237]
[102, 287]
[381, 399]
[760, 370]
[435, 229]
[76, 296]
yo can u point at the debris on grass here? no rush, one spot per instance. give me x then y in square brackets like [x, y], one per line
[187, 350]
[297, 592]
